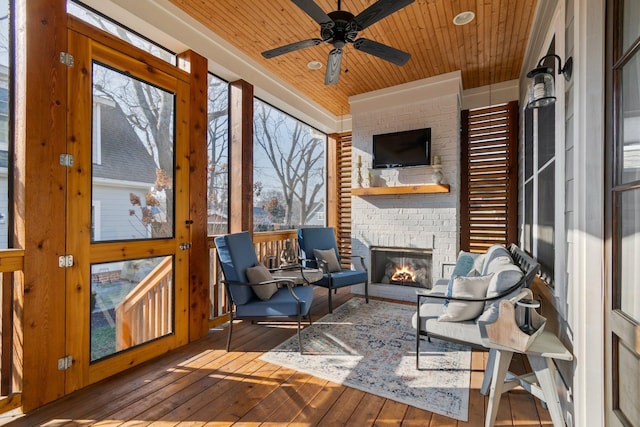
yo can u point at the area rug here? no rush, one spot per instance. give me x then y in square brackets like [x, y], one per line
[371, 347]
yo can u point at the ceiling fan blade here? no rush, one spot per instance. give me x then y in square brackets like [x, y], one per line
[333, 67]
[290, 47]
[379, 10]
[382, 51]
[313, 10]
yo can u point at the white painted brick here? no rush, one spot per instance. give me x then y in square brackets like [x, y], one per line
[416, 221]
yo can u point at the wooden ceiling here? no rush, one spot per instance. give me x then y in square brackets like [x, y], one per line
[489, 50]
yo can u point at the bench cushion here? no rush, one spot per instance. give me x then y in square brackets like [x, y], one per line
[430, 309]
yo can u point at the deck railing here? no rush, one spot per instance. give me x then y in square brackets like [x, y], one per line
[145, 313]
[11, 266]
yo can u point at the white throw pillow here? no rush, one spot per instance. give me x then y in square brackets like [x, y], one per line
[259, 274]
[466, 287]
[328, 256]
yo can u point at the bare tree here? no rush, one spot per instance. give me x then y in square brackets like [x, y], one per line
[295, 155]
[217, 145]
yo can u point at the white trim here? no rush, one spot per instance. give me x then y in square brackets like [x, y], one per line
[587, 292]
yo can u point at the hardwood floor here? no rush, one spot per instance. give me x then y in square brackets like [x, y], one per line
[202, 384]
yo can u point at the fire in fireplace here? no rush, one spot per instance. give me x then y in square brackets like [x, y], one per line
[401, 266]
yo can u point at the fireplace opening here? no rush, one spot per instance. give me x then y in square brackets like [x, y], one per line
[401, 266]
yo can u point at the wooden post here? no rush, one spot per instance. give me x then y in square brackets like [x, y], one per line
[199, 303]
[332, 181]
[241, 156]
[39, 194]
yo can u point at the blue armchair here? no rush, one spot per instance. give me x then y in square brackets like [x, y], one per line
[318, 249]
[247, 300]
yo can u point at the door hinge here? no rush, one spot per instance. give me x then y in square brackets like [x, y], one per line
[66, 58]
[65, 363]
[65, 261]
[66, 160]
[185, 246]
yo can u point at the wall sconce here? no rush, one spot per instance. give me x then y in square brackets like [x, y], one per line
[541, 91]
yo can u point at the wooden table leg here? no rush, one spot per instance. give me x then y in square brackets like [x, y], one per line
[545, 371]
[502, 360]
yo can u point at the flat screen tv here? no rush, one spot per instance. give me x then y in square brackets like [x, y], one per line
[399, 149]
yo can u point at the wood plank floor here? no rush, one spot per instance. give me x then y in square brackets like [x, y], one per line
[202, 384]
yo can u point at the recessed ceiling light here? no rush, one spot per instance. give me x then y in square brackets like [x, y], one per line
[464, 18]
[314, 65]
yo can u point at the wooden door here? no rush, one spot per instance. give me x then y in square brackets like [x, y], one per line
[623, 215]
[127, 208]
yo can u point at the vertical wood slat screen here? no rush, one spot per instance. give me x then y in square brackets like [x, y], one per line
[343, 198]
[489, 177]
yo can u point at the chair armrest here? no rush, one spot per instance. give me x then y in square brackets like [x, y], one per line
[501, 295]
[364, 266]
[287, 282]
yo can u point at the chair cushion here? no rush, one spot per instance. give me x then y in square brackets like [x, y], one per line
[467, 287]
[329, 257]
[237, 253]
[310, 238]
[280, 304]
[343, 278]
[258, 274]
[465, 331]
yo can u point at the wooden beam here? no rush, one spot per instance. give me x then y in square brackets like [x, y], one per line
[332, 181]
[39, 194]
[241, 156]
[199, 303]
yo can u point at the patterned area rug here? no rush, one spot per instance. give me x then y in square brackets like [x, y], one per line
[371, 347]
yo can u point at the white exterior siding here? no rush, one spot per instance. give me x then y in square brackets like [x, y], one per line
[114, 206]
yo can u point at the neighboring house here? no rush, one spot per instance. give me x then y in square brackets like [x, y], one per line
[261, 219]
[117, 173]
[217, 223]
[317, 216]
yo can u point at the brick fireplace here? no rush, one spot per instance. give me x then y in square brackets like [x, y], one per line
[413, 223]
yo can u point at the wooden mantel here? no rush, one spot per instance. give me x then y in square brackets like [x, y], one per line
[402, 189]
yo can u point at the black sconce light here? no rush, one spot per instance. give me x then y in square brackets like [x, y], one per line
[541, 91]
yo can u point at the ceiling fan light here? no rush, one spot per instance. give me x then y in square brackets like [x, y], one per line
[463, 18]
[314, 65]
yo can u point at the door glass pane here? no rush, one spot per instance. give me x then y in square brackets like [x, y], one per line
[132, 156]
[628, 245]
[545, 235]
[528, 217]
[631, 24]
[629, 142]
[628, 374]
[131, 303]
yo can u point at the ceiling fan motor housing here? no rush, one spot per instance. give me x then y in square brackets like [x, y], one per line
[344, 31]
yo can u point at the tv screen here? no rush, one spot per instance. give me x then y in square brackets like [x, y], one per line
[398, 149]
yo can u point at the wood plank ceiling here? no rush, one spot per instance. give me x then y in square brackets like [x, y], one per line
[489, 50]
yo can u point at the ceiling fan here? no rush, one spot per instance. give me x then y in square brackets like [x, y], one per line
[341, 27]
